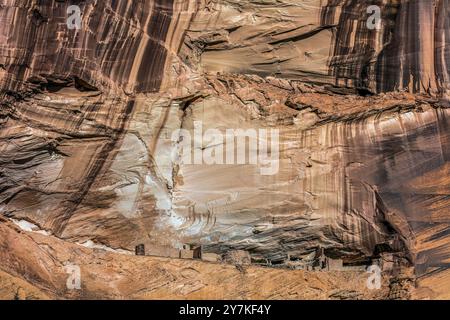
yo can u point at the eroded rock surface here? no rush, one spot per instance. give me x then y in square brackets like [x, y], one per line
[87, 144]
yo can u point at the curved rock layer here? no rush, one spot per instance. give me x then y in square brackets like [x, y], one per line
[88, 118]
[67, 95]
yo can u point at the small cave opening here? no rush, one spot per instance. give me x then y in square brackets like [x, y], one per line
[291, 258]
[83, 85]
[364, 92]
[362, 261]
[61, 85]
[382, 248]
[276, 262]
[52, 86]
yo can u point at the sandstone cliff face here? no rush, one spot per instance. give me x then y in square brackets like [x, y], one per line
[328, 42]
[105, 275]
[73, 92]
[409, 51]
[88, 116]
[121, 44]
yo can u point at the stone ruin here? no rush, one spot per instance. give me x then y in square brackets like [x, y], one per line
[187, 251]
[316, 261]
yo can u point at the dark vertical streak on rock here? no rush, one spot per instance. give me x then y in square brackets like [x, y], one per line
[93, 171]
[442, 44]
[401, 169]
[102, 52]
[354, 44]
[121, 46]
[151, 71]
